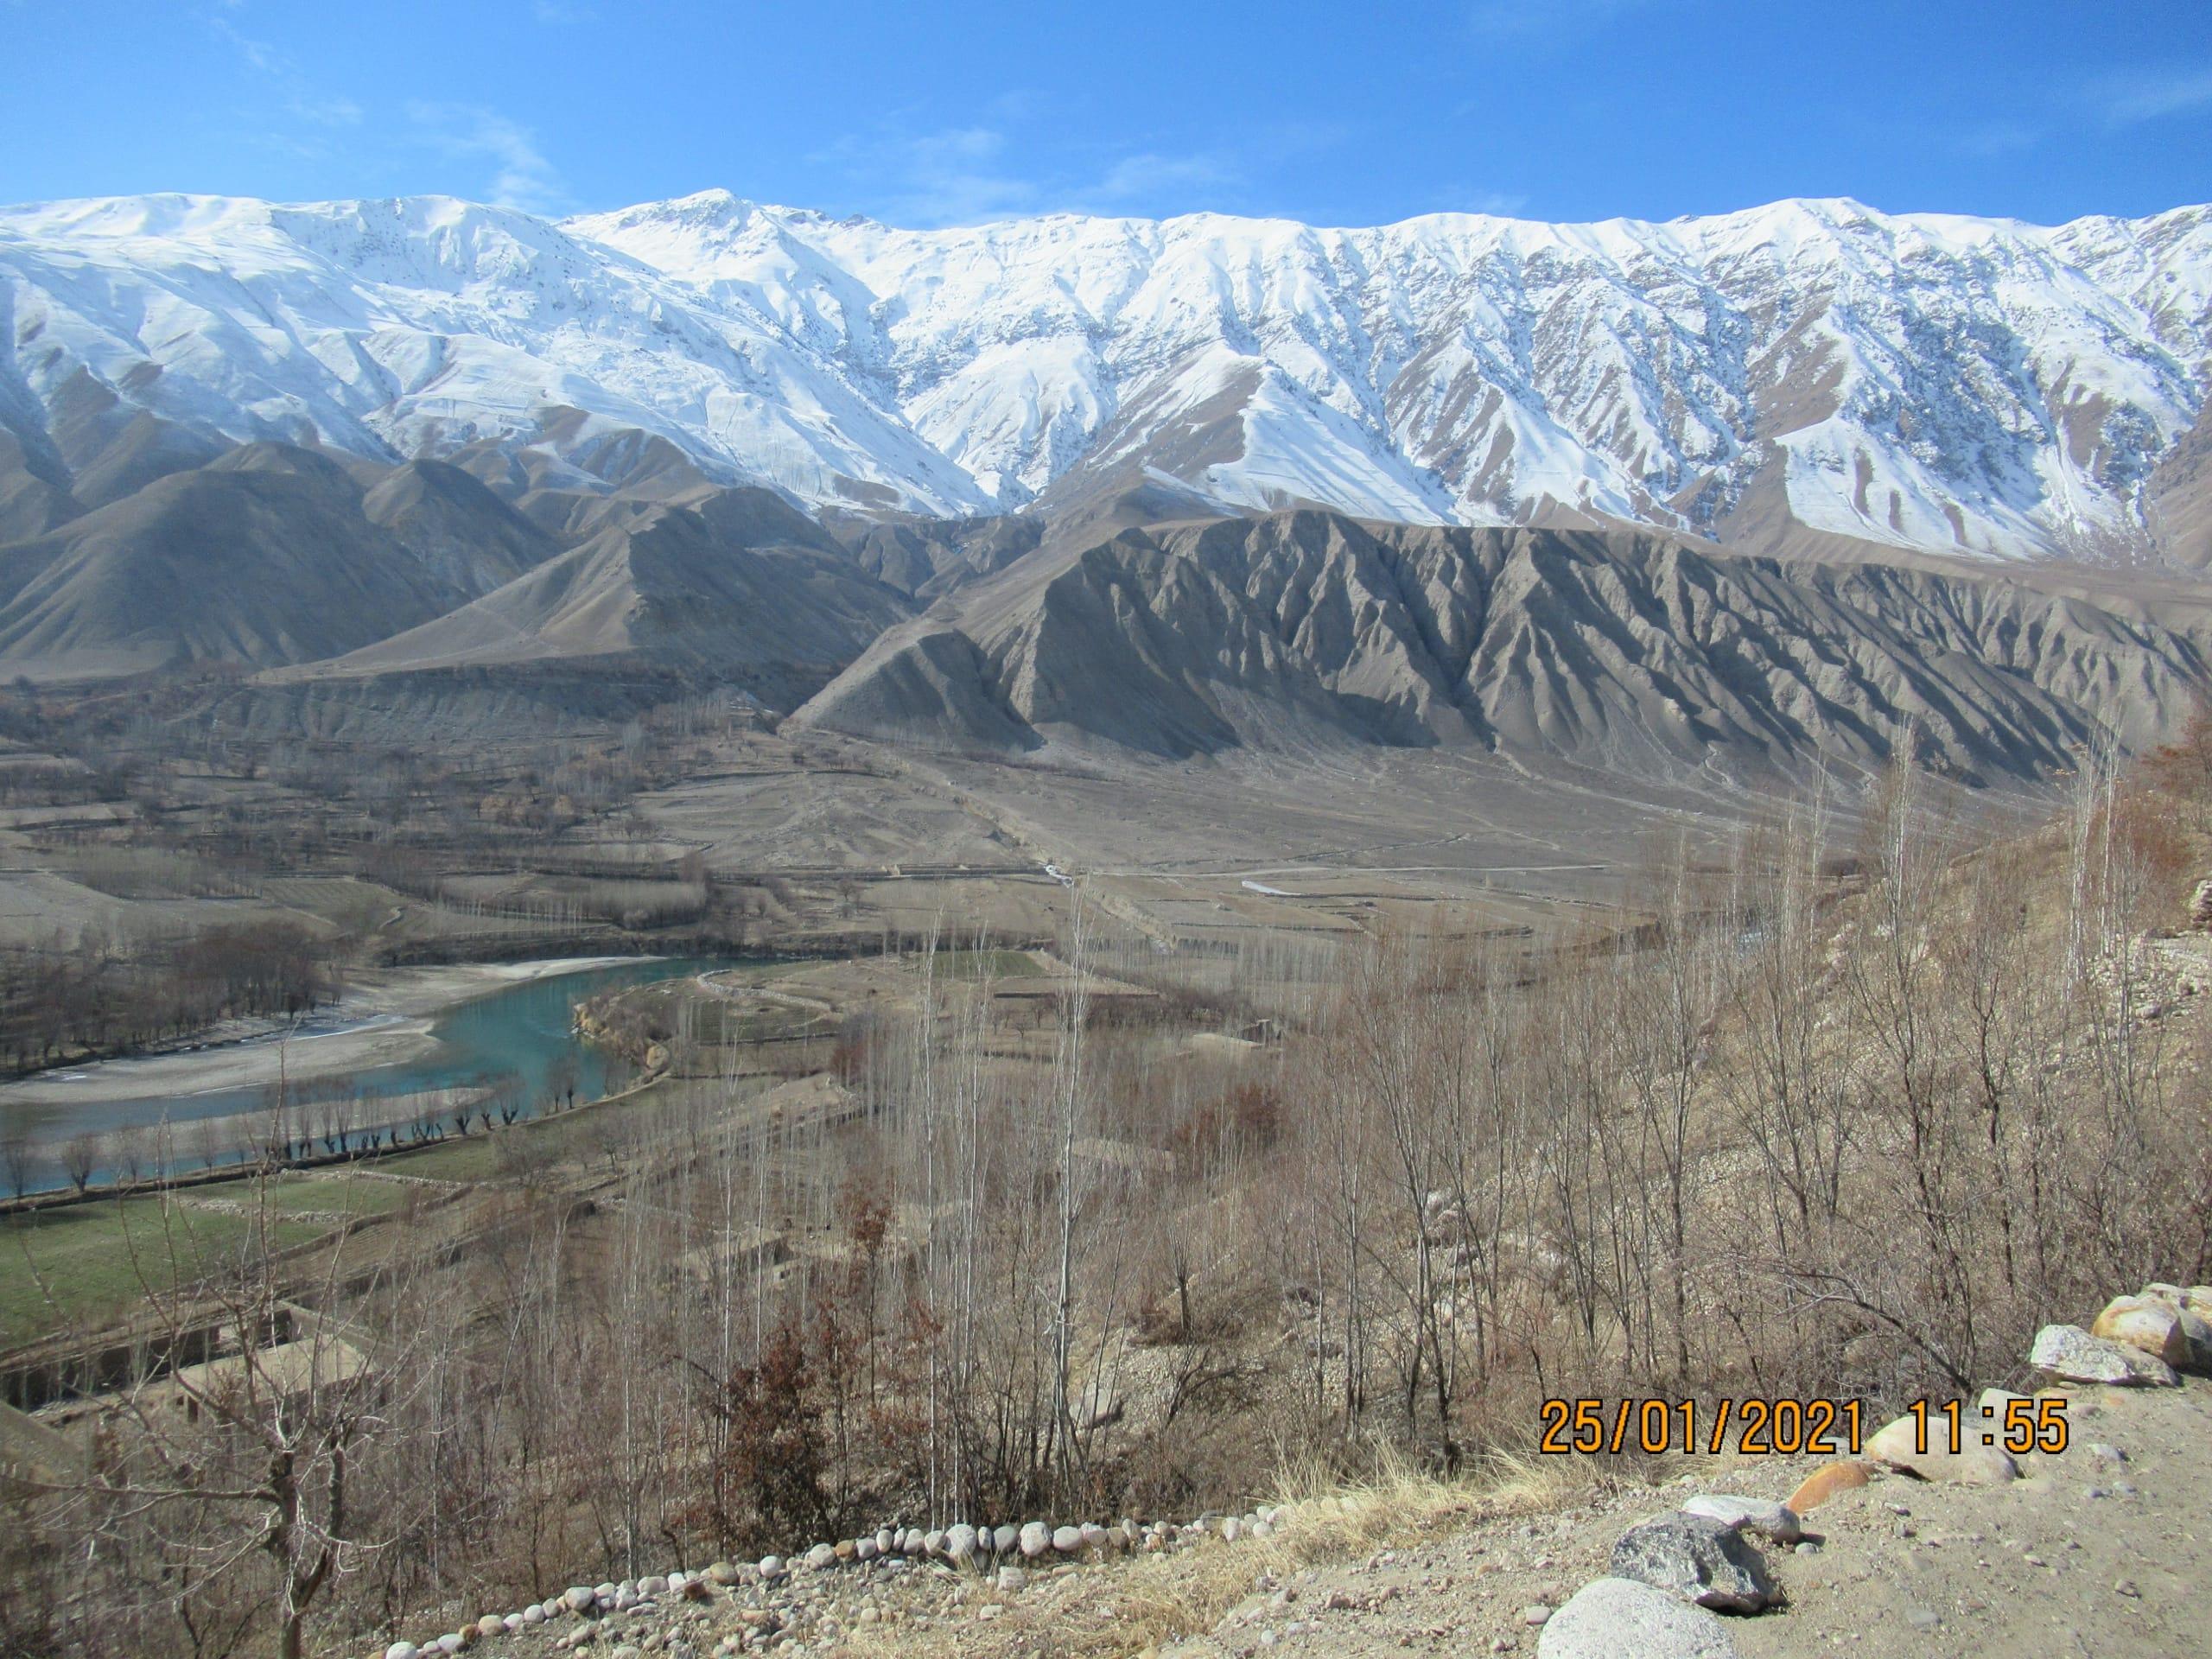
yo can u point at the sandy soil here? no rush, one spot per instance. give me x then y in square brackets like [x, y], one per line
[2085, 1555]
[384, 1019]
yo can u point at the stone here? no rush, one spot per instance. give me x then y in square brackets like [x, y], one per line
[821, 1557]
[2194, 1311]
[1993, 1402]
[1620, 1618]
[1094, 1535]
[1898, 1443]
[533, 1614]
[1067, 1540]
[1696, 1558]
[1232, 1528]
[1036, 1538]
[1012, 1578]
[401, 1650]
[2069, 1354]
[866, 1549]
[2146, 1322]
[1003, 1540]
[1763, 1516]
[578, 1598]
[772, 1566]
[886, 1541]
[491, 1624]
[1535, 1614]
[846, 1549]
[1824, 1483]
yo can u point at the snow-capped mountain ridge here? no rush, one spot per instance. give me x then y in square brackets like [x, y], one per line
[1934, 381]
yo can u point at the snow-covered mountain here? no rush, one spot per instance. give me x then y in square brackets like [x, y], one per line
[1922, 381]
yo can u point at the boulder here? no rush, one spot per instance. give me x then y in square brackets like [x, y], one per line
[772, 1566]
[1824, 1483]
[2193, 1308]
[1067, 1540]
[491, 1624]
[886, 1541]
[578, 1598]
[822, 1556]
[959, 1544]
[1777, 1522]
[1012, 1578]
[1004, 1539]
[2150, 1323]
[401, 1650]
[2196, 1298]
[1698, 1558]
[1898, 1443]
[1620, 1618]
[2068, 1354]
[1036, 1538]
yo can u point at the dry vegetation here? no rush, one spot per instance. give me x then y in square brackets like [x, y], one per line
[980, 1232]
[1067, 1215]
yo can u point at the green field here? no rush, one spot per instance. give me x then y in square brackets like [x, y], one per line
[87, 1264]
[985, 964]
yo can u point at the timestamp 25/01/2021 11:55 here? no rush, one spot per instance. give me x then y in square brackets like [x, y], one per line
[1784, 1427]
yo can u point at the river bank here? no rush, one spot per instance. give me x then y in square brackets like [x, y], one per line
[386, 1017]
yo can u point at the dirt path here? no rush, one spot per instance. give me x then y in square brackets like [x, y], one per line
[2083, 1556]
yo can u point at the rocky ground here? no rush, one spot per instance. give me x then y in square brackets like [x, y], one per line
[2104, 1550]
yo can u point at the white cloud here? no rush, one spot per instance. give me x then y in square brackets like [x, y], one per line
[962, 175]
[333, 112]
[2148, 95]
[1995, 139]
[521, 178]
[1147, 176]
[949, 177]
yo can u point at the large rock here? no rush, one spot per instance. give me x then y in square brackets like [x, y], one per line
[960, 1542]
[2146, 1322]
[1067, 1540]
[1698, 1558]
[1898, 1445]
[1036, 1538]
[1620, 1618]
[2196, 1298]
[2067, 1353]
[1762, 1515]
[2194, 1310]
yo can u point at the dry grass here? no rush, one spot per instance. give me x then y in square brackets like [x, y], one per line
[1156, 1600]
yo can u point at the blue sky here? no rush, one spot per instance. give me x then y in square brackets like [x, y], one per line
[918, 113]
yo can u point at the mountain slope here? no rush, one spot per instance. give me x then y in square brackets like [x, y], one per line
[1913, 381]
[1632, 653]
[262, 557]
[737, 590]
